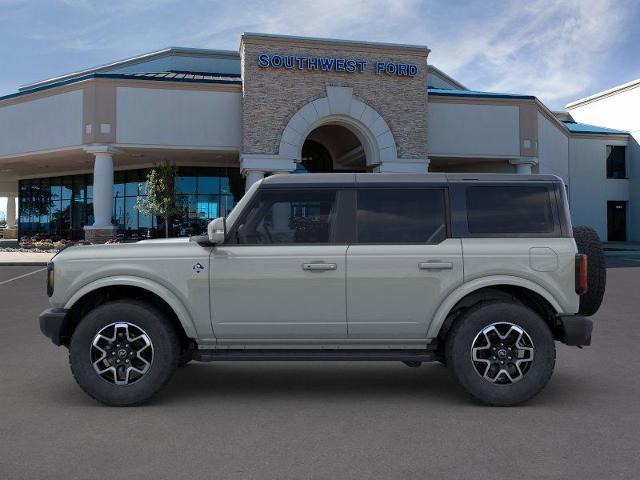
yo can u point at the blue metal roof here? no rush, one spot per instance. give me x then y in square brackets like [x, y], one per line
[188, 77]
[575, 127]
[444, 92]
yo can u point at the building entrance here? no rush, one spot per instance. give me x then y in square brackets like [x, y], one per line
[617, 221]
[332, 148]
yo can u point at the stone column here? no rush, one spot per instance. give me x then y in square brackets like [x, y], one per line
[11, 232]
[11, 211]
[403, 165]
[254, 166]
[102, 228]
[524, 164]
[281, 212]
[251, 177]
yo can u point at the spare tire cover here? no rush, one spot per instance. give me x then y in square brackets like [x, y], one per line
[589, 244]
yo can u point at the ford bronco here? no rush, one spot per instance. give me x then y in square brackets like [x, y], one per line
[481, 272]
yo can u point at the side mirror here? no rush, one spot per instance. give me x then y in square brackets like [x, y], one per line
[217, 230]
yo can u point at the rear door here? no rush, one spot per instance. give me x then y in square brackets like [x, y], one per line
[402, 264]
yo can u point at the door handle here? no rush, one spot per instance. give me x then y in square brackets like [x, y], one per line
[435, 265]
[319, 267]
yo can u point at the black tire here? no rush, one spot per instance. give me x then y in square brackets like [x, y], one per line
[589, 243]
[185, 356]
[459, 356]
[165, 345]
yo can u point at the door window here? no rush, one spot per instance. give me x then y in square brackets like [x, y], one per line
[401, 216]
[280, 217]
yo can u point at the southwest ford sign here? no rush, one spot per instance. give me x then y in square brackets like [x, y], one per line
[334, 64]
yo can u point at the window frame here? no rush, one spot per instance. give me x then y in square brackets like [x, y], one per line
[339, 233]
[606, 166]
[460, 224]
[444, 190]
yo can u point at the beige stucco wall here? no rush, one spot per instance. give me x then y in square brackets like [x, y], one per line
[178, 117]
[589, 187]
[620, 110]
[272, 96]
[460, 129]
[50, 122]
[553, 148]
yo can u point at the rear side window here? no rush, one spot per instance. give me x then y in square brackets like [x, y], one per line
[401, 215]
[509, 209]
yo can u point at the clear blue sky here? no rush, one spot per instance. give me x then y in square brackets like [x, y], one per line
[557, 50]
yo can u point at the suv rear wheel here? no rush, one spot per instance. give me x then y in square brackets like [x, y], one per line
[502, 353]
[123, 352]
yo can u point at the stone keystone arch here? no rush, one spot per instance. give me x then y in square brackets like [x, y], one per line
[340, 108]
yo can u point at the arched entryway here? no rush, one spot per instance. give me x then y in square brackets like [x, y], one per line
[332, 148]
[337, 133]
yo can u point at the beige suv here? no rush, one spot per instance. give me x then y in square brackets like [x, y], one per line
[480, 272]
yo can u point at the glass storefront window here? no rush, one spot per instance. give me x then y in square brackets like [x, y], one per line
[59, 207]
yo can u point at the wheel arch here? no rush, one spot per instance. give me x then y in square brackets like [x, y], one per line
[523, 290]
[123, 287]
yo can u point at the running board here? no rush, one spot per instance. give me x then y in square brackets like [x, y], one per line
[315, 355]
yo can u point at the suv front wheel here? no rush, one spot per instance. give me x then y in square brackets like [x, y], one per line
[123, 352]
[502, 353]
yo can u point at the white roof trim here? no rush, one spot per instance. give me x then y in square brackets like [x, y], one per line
[132, 61]
[605, 93]
[446, 77]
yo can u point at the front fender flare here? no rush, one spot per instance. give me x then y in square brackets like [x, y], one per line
[176, 305]
[470, 287]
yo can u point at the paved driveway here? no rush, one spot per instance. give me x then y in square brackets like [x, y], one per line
[321, 420]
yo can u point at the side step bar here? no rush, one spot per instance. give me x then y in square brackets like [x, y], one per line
[206, 355]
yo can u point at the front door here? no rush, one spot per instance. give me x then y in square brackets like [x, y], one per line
[282, 276]
[617, 221]
[401, 265]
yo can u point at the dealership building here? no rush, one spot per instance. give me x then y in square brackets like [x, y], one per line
[75, 149]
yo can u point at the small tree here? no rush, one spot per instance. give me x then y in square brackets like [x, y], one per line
[160, 200]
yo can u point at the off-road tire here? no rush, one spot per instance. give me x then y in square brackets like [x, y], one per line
[589, 243]
[166, 352]
[459, 357]
[186, 356]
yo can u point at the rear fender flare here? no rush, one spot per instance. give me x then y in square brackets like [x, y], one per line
[466, 288]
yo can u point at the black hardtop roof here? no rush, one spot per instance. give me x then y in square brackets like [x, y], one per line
[388, 179]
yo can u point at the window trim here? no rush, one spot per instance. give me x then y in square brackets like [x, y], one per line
[444, 190]
[606, 163]
[342, 207]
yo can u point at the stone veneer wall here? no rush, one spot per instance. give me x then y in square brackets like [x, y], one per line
[272, 96]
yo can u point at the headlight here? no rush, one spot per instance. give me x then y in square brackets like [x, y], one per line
[50, 279]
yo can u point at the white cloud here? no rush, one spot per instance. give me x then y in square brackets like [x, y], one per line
[549, 48]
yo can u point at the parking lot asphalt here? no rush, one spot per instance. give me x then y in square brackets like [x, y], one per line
[321, 420]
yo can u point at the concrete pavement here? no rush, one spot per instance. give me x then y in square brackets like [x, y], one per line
[321, 420]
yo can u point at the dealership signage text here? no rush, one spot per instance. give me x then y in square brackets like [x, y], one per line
[334, 64]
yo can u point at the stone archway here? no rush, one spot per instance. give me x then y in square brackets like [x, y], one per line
[340, 108]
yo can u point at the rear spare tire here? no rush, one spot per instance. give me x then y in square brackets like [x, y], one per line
[589, 244]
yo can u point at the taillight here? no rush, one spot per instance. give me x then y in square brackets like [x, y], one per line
[50, 279]
[581, 274]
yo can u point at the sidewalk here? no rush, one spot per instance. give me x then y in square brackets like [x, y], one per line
[24, 259]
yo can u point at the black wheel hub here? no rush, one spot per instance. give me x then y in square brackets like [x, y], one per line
[121, 353]
[502, 353]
